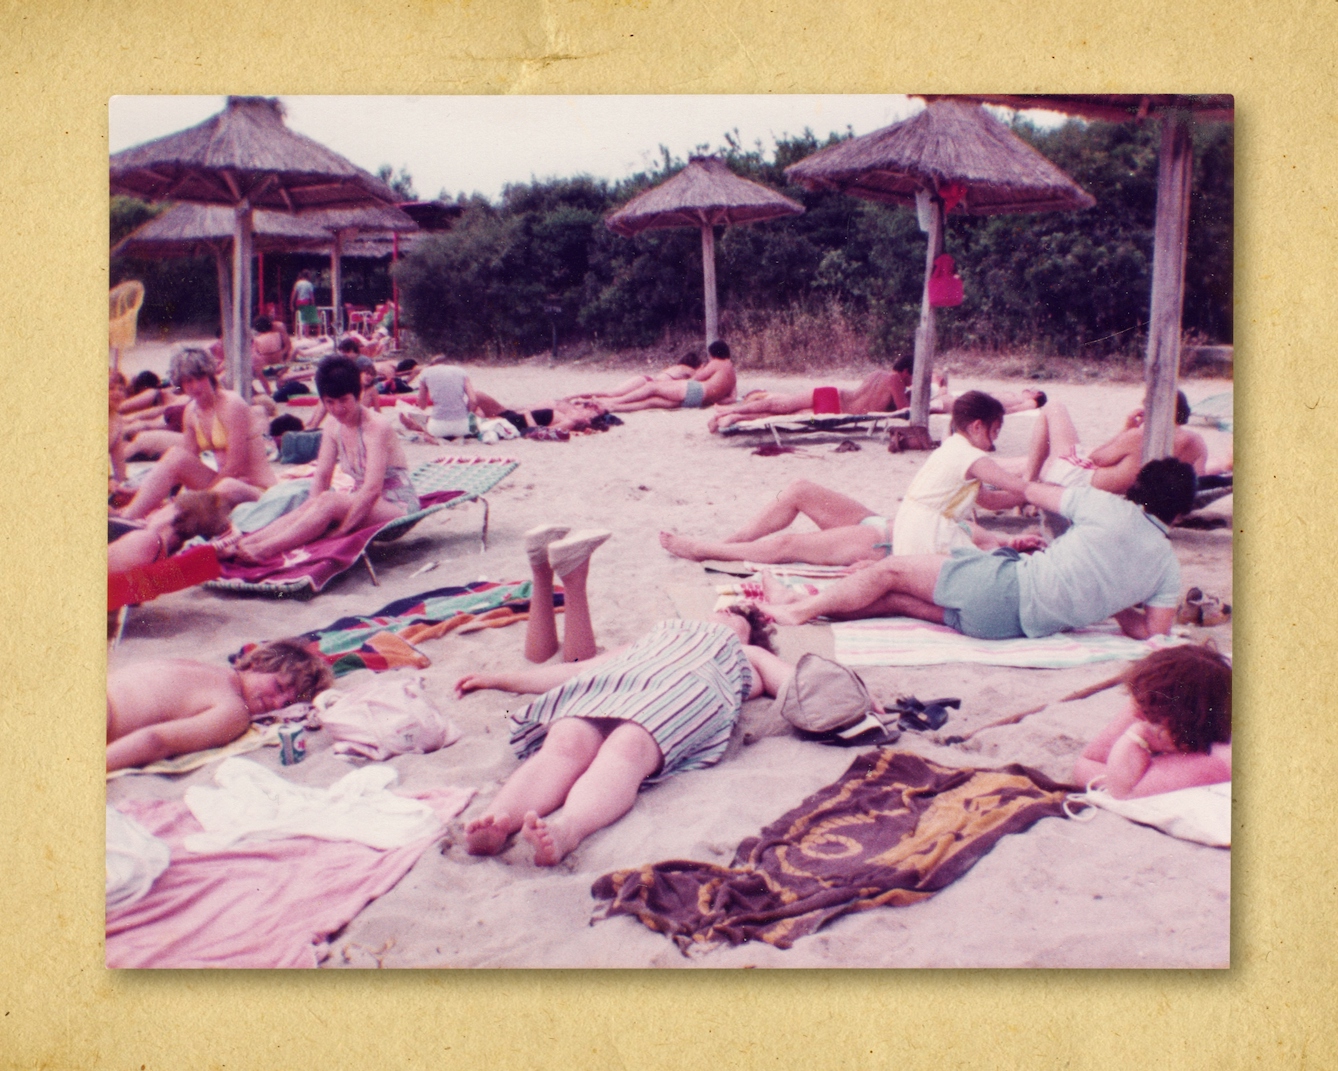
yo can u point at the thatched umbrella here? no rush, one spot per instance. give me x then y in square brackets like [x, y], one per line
[950, 149]
[345, 224]
[245, 158]
[704, 194]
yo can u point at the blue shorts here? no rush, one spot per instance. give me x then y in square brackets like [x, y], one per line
[979, 593]
[694, 394]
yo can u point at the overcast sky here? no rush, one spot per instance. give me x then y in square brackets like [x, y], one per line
[481, 143]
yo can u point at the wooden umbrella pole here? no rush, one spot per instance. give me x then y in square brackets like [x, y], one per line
[1013, 719]
[239, 356]
[395, 285]
[224, 270]
[925, 334]
[708, 277]
[336, 282]
[1175, 167]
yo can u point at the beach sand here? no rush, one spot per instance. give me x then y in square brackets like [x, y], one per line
[1103, 893]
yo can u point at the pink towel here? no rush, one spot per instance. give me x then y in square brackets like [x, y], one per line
[263, 904]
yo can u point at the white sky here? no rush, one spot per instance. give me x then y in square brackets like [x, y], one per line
[481, 143]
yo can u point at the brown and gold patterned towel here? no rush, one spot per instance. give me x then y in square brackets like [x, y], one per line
[894, 829]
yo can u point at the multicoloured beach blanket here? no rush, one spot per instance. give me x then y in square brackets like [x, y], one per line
[384, 640]
[904, 641]
[893, 830]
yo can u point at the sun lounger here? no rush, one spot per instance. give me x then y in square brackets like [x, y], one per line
[800, 424]
[443, 483]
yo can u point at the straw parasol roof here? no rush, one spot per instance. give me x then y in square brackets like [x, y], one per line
[245, 152]
[188, 230]
[705, 193]
[948, 142]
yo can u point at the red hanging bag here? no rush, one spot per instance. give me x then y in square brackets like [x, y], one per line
[945, 285]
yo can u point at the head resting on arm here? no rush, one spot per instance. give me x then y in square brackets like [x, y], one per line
[1188, 691]
[301, 672]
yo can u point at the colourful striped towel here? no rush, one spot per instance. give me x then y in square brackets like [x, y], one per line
[903, 641]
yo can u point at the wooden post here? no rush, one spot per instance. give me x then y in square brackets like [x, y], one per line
[224, 270]
[260, 284]
[1161, 369]
[708, 282]
[926, 335]
[337, 283]
[395, 284]
[239, 355]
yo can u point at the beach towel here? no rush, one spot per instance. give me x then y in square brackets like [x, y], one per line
[893, 830]
[253, 739]
[260, 904]
[904, 641]
[382, 640]
[1201, 814]
[146, 582]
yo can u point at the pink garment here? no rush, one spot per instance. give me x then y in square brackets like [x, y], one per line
[264, 904]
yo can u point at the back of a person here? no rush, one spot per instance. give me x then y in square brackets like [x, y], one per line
[1113, 557]
[446, 385]
[938, 497]
[720, 380]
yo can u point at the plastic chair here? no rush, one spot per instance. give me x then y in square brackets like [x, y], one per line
[126, 299]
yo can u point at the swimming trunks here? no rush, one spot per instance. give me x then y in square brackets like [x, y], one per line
[694, 394]
[396, 486]
[1073, 469]
[884, 526]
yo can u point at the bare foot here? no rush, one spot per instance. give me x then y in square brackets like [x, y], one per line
[783, 613]
[550, 847]
[774, 592]
[487, 834]
[681, 547]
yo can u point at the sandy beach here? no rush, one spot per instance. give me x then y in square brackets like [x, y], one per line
[1104, 893]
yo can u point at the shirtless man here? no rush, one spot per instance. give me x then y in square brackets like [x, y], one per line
[1115, 560]
[712, 383]
[1056, 456]
[366, 447]
[270, 345]
[173, 706]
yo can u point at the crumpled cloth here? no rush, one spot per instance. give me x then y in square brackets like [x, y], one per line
[385, 716]
[253, 803]
[135, 858]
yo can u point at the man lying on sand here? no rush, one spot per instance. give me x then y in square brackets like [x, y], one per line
[1115, 559]
[1056, 456]
[931, 519]
[1175, 733]
[174, 706]
[714, 382]
[606, 724]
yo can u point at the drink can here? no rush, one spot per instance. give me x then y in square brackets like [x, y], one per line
[292, 744]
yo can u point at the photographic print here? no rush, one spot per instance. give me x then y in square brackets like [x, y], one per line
[670, 531]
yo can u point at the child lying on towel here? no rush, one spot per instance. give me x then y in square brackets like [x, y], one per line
[663, 705]
[159, 709]
[1175, 733]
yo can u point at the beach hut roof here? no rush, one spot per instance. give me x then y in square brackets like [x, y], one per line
[705, 193]
[245, 152]
[432, 215]
[949, 142]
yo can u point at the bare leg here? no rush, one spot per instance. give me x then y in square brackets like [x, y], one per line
[578, 634]
[313, 519]
[178, 465]
[539, 786]
[601, 795]
[541, 628]
[834, 546]
[857, 594]
[1053, 436]
[824, 507]
[770, 405]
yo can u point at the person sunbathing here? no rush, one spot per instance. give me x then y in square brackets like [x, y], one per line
[933, 514]
[1116, 559]
[1175, 733]
[190, 514]
[270, 346]
[605, 725]
[685, 369]
[214, 419]
[168, 707]
[366, 448]
[1055, 454]
[712, 383]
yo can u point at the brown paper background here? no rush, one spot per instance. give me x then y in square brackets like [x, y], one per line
[60, 1008]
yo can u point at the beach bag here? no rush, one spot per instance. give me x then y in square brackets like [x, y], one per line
[299, 447]
[945, 285]
[387, 714]
[829, 702]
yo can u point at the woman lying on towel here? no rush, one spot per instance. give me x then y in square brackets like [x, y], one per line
[1175, 732]
[190, 514]
[932, 518]
[686, 368]
[159, 709]
[214, 419]
[366, 448]
[609, 723]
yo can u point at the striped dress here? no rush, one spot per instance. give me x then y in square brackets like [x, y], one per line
[684, 682]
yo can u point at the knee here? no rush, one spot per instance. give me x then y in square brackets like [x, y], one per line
[797, 492]
[631, 745]
[572, 740]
